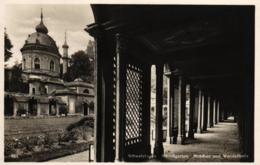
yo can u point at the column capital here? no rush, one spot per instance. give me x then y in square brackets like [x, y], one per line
[177, 72]
[95, 30]
[122, 42]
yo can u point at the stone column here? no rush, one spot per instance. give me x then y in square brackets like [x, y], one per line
[204, 124]
[57, 109]
[38, 108]
[199, 113]
[175, 112]
[214, 112]
[182, 109]
[208, 123]
[192, 108]
[202, 112]
[219, 112]
[196, 111]
[211, 111]
[158, 147]
[72, 107]
[217, 120]
[169, 138]
[15, 109]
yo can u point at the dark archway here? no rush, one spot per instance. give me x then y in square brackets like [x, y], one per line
[52, 107]
[9, 106]
[33, 107]
[86, 109]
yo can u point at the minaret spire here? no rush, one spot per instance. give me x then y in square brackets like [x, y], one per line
[41, 16]
[65, 59]
[65, 43]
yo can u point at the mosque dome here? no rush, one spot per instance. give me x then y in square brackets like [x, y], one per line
[40, 40]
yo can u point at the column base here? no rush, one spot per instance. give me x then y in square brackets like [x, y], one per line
[174, 139]
[181, 140]
[191, 135]
[148, 150]
[158, 150]
[169, 140]
[195, 130]
[199, 131]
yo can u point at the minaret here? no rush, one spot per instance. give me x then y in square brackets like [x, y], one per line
[65, 58]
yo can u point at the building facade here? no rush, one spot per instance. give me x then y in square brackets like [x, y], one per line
[48, 93]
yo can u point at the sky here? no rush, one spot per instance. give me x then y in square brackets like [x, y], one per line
[21, 20]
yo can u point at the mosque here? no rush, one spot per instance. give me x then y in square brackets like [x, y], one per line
[47, 94]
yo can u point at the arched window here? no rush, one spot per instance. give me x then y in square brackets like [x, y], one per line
[37, 63]
[52, 65]
[24, 63]
[86, 91]
[45, 90]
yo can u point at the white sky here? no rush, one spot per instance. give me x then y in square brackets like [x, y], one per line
[21, 20]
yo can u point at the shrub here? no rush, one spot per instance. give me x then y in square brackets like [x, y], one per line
[9, 147]
[81, 130]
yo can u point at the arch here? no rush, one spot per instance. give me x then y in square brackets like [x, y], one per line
[33, 90]
[51, 65]
[86, 108]
[37, 63]
[33, 107]
[9, 106]
[24, 63]
[52, 107]
[86, 91]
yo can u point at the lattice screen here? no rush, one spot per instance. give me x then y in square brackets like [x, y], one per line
[134, 104]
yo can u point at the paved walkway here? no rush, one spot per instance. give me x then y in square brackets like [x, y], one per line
[79, 157]
[218, 144]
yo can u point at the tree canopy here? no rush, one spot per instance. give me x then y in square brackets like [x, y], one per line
[13, 80]
[8, 46]
[80, 67]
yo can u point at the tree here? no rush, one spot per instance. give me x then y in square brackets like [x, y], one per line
[81, 67]
[8, 47]
[15, 82]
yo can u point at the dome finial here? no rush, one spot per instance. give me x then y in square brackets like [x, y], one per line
[41, 16]
[41, 27]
